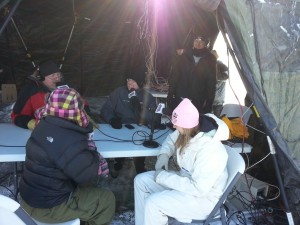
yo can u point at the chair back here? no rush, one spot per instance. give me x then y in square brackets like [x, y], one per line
[235, 110]
[235, 165]
[71, 222]
[235, 168]
[12, 213]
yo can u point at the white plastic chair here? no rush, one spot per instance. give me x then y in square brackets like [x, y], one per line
[12, 213]
[235, 168]
[235, 110]
[71, 222]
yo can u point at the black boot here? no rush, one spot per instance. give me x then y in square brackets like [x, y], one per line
[139, 163]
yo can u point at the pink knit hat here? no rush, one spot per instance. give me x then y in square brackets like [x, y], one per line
[185, 115]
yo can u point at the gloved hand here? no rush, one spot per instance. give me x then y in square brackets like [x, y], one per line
[116, 122]
[162, 161]
[31, 124]
[156, 173]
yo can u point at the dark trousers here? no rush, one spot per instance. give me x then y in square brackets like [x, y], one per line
[139, 163]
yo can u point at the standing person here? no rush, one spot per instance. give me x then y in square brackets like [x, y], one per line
[32, 95]
[194, 76]
[62, 166]
[193, 191]
[130, 104]
[222, 76]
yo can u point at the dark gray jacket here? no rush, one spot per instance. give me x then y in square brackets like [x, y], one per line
[120, 105]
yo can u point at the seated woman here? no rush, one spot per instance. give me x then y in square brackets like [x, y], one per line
[193, 190]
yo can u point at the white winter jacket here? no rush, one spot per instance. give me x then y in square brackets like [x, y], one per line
[203, 164]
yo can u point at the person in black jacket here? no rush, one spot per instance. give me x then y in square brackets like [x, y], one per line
[193, 77]
[32, 96]
[62, 165]
[130, 104]
[222, 76]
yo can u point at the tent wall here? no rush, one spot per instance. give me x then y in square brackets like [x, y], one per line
[265, 39]
[99, 47]
[104, 50]
[104, 47]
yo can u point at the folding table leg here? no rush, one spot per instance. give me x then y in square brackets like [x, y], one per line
[16, 183]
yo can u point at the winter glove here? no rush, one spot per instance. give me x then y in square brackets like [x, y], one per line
[116, 123]
[31, 124]
[156, 173]
[162, 161]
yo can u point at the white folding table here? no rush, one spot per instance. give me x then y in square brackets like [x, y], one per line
[111, 143]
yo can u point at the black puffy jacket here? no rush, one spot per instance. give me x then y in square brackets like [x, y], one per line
[195, 81]
[57, 160]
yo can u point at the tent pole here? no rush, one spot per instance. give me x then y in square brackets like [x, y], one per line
[22, 40]
[283, 195]
[9, 16]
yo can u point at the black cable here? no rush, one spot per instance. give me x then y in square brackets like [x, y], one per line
[13, 146]
[119, 139]
[247, 205]
[4, 177]
[132, 139]
[162, 134]
[244, 221]
[107, 140]
[139, 133]
[229, 218]
[8, 190]
[261, 211]
[123, 140]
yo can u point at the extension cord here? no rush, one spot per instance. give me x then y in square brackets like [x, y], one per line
[248, 189]
[242, 217]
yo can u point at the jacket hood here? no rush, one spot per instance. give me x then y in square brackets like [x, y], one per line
[222, 131]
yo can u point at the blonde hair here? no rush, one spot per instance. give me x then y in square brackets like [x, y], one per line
[184, 138]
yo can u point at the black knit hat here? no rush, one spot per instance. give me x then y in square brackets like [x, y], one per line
[138, 79]
[48, 67]
[200, 33]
